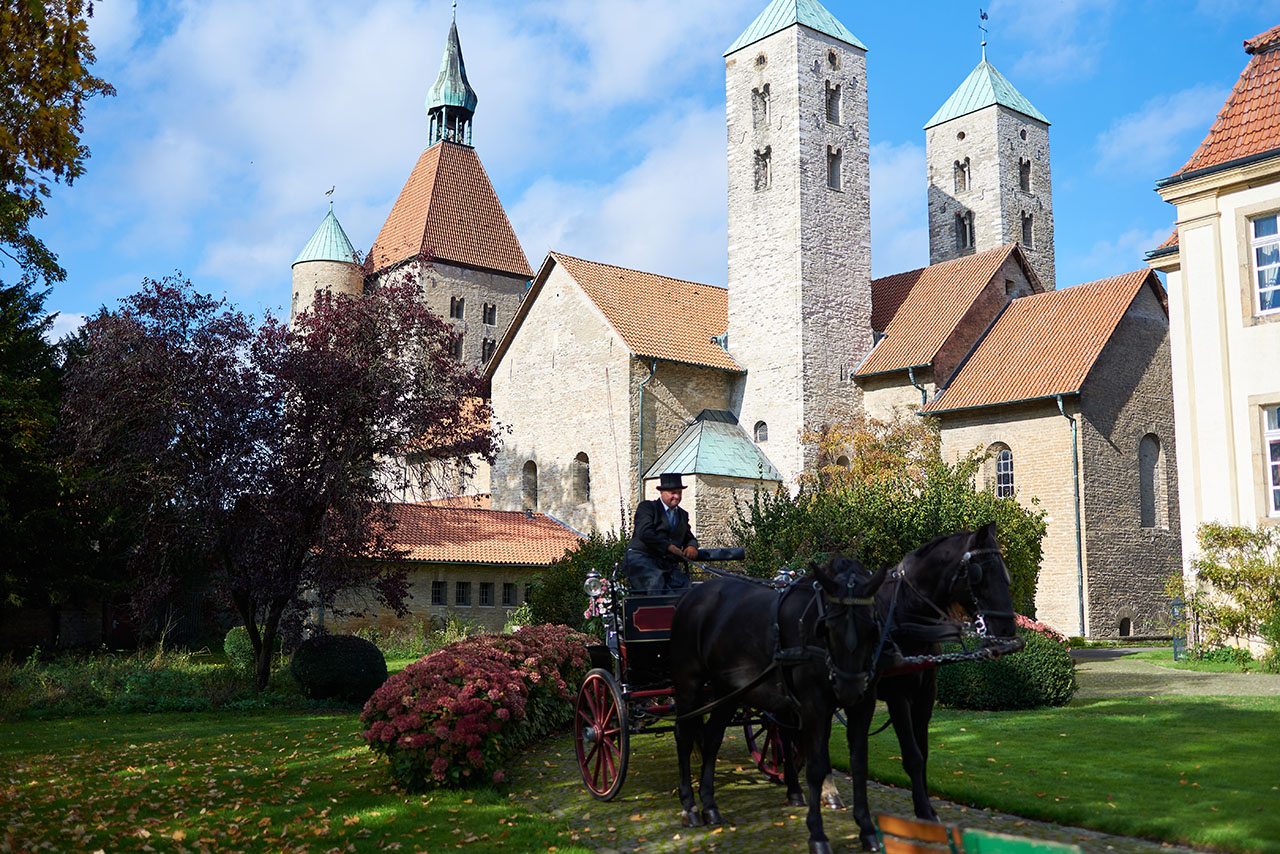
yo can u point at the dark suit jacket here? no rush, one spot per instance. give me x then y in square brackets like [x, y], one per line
[652, 534]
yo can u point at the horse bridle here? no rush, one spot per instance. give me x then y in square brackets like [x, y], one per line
[847, 600]
[973, 572]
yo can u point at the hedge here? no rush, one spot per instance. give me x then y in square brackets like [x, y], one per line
[1042, 674]
[455, 717]
[339, 667]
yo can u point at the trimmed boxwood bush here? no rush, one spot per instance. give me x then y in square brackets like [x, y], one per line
[339, 667]
[1042, 674]
[454, 717]
[239, 649]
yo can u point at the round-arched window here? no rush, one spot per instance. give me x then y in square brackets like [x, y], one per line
[529, 485]
[581, 478]
[761, 432]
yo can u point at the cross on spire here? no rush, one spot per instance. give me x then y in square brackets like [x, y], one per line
[982, 16]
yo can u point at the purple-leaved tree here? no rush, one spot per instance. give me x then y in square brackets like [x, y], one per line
[267, 456]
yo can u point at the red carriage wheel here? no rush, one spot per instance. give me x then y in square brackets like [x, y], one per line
[764, 740]
[600, 734]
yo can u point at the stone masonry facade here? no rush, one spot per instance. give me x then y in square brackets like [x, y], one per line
[477, 594]
[995, 141]
[310, 277]
[799, 233]
[1127, 397]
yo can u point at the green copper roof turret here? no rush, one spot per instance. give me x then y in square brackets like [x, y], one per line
[329, 243]
[780, 14]
[983, 87]
[451, 88]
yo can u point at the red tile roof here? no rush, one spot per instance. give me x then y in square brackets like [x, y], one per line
[1170, 241]
[1044, 344]
[481, 501]
[920, 309]
[1249, 122]
[449, 210]
[657, 316]
[472, 535]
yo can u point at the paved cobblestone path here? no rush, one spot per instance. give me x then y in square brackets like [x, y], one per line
[645, 817]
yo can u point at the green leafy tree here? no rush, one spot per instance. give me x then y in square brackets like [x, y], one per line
[879, 511]
[557, 596]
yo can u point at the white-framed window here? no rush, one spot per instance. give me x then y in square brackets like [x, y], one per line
[1271, 438]
[1004, 473]
[1265, 242]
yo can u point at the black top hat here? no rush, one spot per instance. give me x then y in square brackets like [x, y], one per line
[670, 480]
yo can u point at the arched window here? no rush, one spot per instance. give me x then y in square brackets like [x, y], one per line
[581, 478]
[760, 106]
[1152, 506]
[761, 432]
[833, 103]
[529, 485]
[1028, 231]
[962, 175]
[762, 167]
[964, 230]
[1000, 470]
[1125, 627]
[834, 159]
[1024, 175]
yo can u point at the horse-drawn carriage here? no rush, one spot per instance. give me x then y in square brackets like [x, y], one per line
[628, 690]
[832, 641]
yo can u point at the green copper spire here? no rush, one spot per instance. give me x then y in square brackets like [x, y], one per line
[983, 87]
[329, 243]
[451, 101]
[780, 14]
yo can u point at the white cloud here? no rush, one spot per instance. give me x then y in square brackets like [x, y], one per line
[113, 28]
[1159, 132]
[1121, 255]
[899, 208]
[64, 325]
[665, 215]
[1060, 39]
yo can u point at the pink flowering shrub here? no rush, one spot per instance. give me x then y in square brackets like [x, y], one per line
[453, 717]
[1042, 628]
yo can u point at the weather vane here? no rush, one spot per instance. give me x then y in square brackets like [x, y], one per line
[982, 16]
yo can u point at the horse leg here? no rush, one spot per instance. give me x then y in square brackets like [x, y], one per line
[831, 794]
[712, 738]
[687, 732]
[913, 760]
[790, 770]
[816, 732]
[856, 733]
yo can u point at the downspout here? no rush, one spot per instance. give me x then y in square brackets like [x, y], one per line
[653, 369]
[924, 395]
[1075, 473]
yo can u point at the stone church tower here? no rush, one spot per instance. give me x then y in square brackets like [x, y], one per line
[799, 223]
[987, 150]
[327, 263]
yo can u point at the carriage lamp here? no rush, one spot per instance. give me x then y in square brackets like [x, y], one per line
[594, 585]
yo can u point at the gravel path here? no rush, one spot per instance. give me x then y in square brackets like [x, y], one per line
[646, 815]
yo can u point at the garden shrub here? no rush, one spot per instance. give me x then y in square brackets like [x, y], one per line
[1236, 595]
[454, 717]
[338, 667]
[556, 596]
[1238, 656]
[239, 650]
[1042, 674]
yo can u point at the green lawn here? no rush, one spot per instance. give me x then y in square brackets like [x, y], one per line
[1191, 770]
[1164, 658]
[268, 781]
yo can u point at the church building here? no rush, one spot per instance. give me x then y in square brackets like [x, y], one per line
[601, 390]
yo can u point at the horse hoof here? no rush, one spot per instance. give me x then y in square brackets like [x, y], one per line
[712, 816]
[822, 847]
[833, 801]
[690, 818]
[795, 799]
[870, 843]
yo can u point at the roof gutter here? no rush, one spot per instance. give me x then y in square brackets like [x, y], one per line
[1003, 402]
[1219, 167]
[924, 395]
[1075, 474]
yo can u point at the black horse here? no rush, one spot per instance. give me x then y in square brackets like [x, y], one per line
[919, 606]
[797, 654]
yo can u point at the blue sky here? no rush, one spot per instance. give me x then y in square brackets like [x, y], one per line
[601, 125]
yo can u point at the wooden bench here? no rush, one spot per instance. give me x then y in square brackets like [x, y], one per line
[899, 835]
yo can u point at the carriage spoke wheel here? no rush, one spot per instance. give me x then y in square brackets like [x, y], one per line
[600, 734]
[764, 740]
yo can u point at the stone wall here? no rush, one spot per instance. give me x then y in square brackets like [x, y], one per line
[886, 396]
[1128, 395]
[1040, 440]
[309, 277]
[799, 250]
[491, 616]
[994, 142]
[564, 388]
[442, 282]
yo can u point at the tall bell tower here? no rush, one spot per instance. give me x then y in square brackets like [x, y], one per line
[799, 223]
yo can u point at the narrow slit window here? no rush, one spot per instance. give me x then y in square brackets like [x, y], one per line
[1028, 231]
[961, 169]
[833, 103]
[760, 106]
[1024, 175]
[834, 160]
[455, 307]
[490, 313]
[763, 168]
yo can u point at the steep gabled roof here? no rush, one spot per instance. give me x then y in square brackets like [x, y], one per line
[472, 535]
[983, 87]
[780, 14]
[448, 209]
[715, 444]
[1248, 125]
[921, 308]
[1044, 344]
[657, 316]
